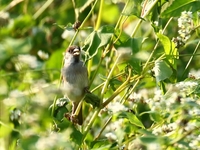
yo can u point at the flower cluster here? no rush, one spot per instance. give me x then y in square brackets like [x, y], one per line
[23, 61]
[185, 24]
[166, 128]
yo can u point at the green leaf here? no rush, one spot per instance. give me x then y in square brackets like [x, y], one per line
[134, 43]
[161, 84]
[154, 115]
[22, 24]
[28, 142]
[111, 13]
[76, 136]
[132, 118]
[120, 38]
[166, 43]
[54, 62]
[91, 45]
[100, 144]
[178, 6]
[133, 8]
[96, 40]
[169, 48]
[105, 34]
[79, 3]
[162, 70]
[148, 139]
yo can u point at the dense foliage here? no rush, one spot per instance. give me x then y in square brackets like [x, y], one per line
[143, 63]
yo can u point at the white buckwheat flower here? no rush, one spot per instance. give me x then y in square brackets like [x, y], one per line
[116, 107]
[185, 24]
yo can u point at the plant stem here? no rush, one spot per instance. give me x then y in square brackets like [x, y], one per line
[103, 128]
[87, 17]
[87, 128]
[191, 58]
[109, 44]
[109, 77]
[99, 15]
[82, 24]
[136, 28]
[96, 71]
[156, 45]
[11, 5]
[144, 13]
[89, 66]
[73, 39]
[119, 90]
[121, 16]
[42, 9]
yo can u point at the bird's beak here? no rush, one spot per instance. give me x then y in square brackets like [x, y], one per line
[76, 52]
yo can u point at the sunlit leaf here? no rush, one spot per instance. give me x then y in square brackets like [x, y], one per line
[133, 8]
[69, 26]
[132, 118]
[111, 13]
[162, 70]
[170, 50]
[156, 117]
[178, 6]
[22, 24]
[100, 144]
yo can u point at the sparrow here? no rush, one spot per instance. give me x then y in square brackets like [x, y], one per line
[75, 80]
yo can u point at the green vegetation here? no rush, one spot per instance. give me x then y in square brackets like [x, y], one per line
[143, 63]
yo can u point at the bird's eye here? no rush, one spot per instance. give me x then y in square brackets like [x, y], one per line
[70, 50]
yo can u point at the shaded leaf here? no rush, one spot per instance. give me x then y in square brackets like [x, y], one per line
[120, 38]
[134, 43]
[76, 136]
[91, 45]
[92, 99]
[154, 115]
[148, 139]
[97, 39]
[105, 34]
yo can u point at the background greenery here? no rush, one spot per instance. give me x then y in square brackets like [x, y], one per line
[147, 81]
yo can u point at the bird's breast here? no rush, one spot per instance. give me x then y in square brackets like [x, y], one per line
[75, 81]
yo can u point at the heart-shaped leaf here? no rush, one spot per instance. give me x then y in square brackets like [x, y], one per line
[162, 70]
